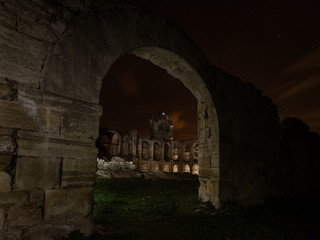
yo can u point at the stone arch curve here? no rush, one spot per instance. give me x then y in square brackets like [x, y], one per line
[126, 145]
[54, 109]
[84, 54]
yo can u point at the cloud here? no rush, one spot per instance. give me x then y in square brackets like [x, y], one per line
[300, 77]
[178, 123]
[305, 85]
[128, 83]
[303, 64]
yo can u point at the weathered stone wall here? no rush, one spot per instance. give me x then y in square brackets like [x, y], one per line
[46, 141]
[54, 55]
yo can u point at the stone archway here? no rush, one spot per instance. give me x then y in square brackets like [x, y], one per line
[50, 118]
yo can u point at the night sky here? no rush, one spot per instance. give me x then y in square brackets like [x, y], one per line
[275, 45]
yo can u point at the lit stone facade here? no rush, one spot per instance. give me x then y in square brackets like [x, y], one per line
[159, 152]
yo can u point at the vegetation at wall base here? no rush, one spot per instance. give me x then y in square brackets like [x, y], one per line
[139, 209]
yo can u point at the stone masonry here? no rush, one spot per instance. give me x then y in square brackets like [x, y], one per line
[54, 55]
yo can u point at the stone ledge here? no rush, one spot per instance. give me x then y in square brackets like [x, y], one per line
[26, 114]
[35, 144]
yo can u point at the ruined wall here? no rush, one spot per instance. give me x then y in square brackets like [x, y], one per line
[47, 141]
[252, 166]
[54, 55]
[300, 152]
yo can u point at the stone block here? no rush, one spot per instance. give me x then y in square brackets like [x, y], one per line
[7, 92]
[33, 173]
[6, 144]
[84, 165]
[78, 172]
[26, 114]
[33, 20]
[8, 17]
[13, 198]
[5, 182]
[2, 219]
[5, 161]
[77, 180]
[66, 78]
[47, 231]
[79, 127]
[64, 204]
[12, 234]
[6, 132]
[46, 145]
[65, 105]
[37, 197]
[37, 29]
[20, 66]
[23, 42]
[27, 215]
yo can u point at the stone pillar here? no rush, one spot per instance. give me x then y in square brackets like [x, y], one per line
[151, 146]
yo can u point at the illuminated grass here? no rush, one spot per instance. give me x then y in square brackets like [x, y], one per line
[139, 209]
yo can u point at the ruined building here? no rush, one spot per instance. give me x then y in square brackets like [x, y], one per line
[54, 55]
[159, 152]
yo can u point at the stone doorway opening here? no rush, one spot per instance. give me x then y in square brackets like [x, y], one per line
[149, 121]
[201, 154]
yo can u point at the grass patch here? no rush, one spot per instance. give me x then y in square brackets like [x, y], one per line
[139, 209]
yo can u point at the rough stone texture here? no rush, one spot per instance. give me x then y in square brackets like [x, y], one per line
[57, 53]
[5, 161]
[46, 145]
[67, 204]
[6, 132]
[11, 234]
[6, 144]
[79, 126]
[37, 197]
[8, 91]
[27, 114]
[33, 173]
[5, 182]
[27, 215]
[13, 198]
[60, 230]
[2, 219]
[78, 172]
[48, 231]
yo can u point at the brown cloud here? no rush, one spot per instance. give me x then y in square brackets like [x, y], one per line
[303, 64]
[303, 86]
[178, 123]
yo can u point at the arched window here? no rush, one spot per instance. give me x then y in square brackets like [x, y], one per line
[186, 168]
[156, 151]
[155, 167]
[175, 168]
[115, 145]
[145, 150]
[195, 169]
[166, 152]
[166, 167]
[126, 146]
[144, 168]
